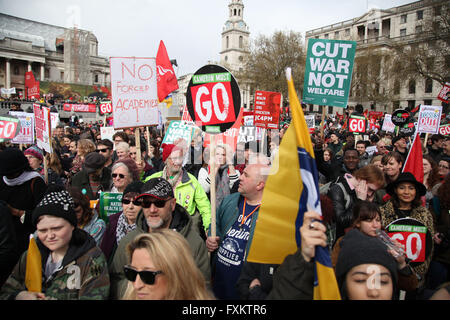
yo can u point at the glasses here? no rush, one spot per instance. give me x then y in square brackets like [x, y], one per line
[128, 201]
[148, 277]
[442, 166]
[158, 203]
[115, 175]
[102, 150]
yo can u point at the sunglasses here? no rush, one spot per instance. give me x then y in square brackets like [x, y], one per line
[102, 150]
[135, 202]
[158, 203]
[115, 175]
[148, 277]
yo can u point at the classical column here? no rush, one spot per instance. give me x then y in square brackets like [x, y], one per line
[42, 71]
[8, 76]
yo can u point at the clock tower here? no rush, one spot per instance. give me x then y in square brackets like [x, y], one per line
[235, 45]
[235, 38]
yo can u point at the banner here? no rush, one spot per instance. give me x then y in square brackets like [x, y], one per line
[429, 119]
[42, 125]
[109, 203]
[267, 109]
[69, 107]
[178, 129]
[166, 78]
[107, 133]
[328, 72]
[31, 86]
[357, 124]
[134, 92]
[9, 91]
[388, 125]
[444, 93]
[26, 133]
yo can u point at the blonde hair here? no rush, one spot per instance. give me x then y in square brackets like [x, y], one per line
[86, 146]
[172, 255]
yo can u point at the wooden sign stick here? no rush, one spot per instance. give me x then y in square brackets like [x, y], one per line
[137, 136]
[212, 178]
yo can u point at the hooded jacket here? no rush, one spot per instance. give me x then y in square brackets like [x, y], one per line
[182, 223]
[83, 274]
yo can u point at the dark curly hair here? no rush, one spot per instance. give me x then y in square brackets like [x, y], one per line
[444, 191]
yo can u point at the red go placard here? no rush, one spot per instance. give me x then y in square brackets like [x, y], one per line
[357, 124]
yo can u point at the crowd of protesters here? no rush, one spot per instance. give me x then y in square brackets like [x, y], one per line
[163, 234]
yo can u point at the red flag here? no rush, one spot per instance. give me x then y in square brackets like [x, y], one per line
[166, 79]
[414, 160]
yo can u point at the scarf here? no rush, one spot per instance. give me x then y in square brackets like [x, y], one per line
[173, 180]
[24, 177]
[123, 227]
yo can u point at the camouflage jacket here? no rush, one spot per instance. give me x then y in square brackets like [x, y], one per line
[83, 274]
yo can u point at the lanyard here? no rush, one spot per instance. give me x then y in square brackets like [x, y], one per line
[244, 217]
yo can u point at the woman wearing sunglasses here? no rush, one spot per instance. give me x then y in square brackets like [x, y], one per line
[162, 268]
[124, 172]
[121, 223]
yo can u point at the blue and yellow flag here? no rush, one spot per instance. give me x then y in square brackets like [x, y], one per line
[291, 187]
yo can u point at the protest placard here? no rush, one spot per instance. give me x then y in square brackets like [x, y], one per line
[444, 93]
[267, 109]
[444, 130]
[388, 125]
[357, 124]
[107, 133]
[179, 129]
[26, 133]
[328, 72]
[134, 92]
[9, 128]
[109, 203]
[42, 126]
[429, 119]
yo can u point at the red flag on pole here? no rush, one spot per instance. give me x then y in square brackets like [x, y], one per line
[166, 79]
[414, 160]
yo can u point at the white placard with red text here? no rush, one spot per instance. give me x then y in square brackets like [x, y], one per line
[429, 119]
[134, 92]
[26, 133]
[42, 126]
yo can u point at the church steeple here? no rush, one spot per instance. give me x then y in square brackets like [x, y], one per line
[235, 37]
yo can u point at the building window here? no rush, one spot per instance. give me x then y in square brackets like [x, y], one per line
[428, 102]
[226, 58]
[402, 32]
[397, 87]
[326, 36]
[47, 73]
[403, 18]
[16, 70]
[241, 42]
[347, 32]
[228, 42]
[336, 35]
[437, 10]
[241, 58]
[412, 86]
[411, 104]
[418, 29]
[96, 78]
[396, 104]
[235, 12]
[420, 15]
[428, 85]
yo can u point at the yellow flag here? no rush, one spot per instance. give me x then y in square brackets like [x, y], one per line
[33, 272]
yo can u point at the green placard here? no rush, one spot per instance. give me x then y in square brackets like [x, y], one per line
[328, 72]
[109, 203]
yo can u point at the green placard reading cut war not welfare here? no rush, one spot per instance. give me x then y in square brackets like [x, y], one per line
[109, 203]
[328, 72]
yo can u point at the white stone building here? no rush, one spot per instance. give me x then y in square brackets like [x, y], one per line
[380, 30]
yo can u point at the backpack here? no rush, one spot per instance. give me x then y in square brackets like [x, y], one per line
[326, 188]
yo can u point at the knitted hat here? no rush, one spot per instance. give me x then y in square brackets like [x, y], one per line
[158, 188]
[12, 160]
[35, 152]
[56, 202]
[358, 248]
[93, 161]
[168, 149]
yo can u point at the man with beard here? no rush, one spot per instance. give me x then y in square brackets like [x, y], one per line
[160, 210]
[188, 192]
[94, 177]
[399, 143]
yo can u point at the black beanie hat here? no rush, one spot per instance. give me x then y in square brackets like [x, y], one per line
[56, 202]
[358, 248]
[12, 160]
[134, 187]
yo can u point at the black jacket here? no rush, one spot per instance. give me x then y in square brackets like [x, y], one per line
[81, 180]
[9, 251]
[262, 272]
[343, 209]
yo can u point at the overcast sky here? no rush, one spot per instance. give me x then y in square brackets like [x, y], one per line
[190, 29]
